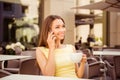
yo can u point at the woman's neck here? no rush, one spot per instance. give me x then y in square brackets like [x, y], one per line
[58, 44]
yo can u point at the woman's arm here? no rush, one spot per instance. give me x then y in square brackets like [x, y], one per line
[47, 66]
[81, 69]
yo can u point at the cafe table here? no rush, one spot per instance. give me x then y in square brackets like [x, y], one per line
[106, 53]
[113, 53]
[36, 77]
[4, 58]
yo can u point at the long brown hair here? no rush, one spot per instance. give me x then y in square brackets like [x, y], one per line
[46, 27]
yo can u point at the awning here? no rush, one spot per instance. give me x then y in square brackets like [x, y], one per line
[84, 19]
[106, 5]
[82, 16]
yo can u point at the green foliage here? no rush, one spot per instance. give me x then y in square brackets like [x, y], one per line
[10, 52]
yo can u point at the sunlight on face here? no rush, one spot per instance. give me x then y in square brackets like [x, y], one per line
[58, 27]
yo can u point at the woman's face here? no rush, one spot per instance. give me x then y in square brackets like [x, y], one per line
[58, 28]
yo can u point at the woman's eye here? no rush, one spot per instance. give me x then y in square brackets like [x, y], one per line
[57, 26]
[60, 26]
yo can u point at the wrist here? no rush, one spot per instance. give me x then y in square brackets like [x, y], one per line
[83, 62]
[51, 50]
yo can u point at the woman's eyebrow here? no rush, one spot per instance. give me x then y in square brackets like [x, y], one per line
[60, 25]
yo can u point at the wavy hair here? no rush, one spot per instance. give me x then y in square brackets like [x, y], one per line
[46, 27]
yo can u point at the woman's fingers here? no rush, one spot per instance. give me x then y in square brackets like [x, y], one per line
[54, 37]
[51, 35]
[84, 58]
[51, 39]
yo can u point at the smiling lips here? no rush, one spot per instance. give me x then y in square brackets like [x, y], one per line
[61, 34]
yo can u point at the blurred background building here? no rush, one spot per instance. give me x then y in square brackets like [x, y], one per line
[20, 20]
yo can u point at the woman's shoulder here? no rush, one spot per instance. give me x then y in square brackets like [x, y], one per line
[69, 46]
[38, 48]
[42, 49]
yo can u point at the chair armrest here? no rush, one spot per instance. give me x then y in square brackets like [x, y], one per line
[94, 70]
[4, 73]
[110, 70]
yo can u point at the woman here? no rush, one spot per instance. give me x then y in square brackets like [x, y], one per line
[52, 55]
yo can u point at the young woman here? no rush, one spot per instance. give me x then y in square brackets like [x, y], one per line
[52, 55]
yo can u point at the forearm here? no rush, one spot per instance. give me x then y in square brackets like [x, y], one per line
[81, 70]
[50, 65]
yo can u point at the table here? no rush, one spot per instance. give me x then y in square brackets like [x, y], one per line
[110, 54]
[35, 77]
[113, 53]
[11, 57]
[106, 53]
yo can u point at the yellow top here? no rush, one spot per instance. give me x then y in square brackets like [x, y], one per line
[65, 67]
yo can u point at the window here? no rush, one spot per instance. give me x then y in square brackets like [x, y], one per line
[24, 8]
[7, 6]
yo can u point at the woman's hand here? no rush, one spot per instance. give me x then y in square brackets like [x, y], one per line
[84, 59]
[81, 69]
[51, 40]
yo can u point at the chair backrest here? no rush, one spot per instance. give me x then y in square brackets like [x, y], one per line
[91, 60]
[4, 73]
[29, 53]
[109, 58]
[29, 66]
[0, 65]
[87, 52]
[13, 64]
[110, 70]
[117, 66]
[1, 50]
[94, 70]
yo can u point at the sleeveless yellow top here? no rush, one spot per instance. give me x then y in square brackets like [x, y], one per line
[65, 67]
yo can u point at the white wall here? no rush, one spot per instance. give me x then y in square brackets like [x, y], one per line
[118, 29]
[114, 29]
